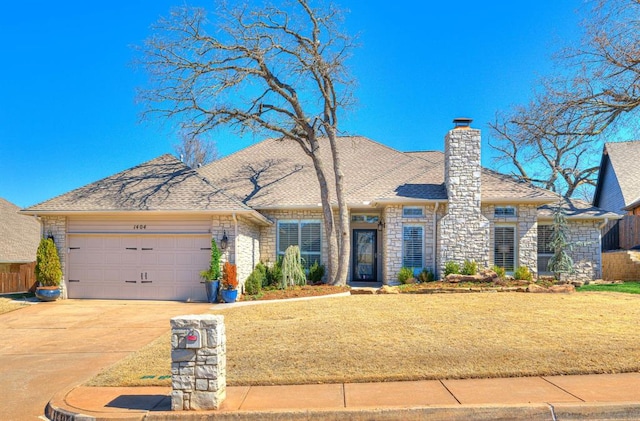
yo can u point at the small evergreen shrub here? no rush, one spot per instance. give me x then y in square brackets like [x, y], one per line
[499, 271]
[426, 276]
[451, 267]
[213, 273]
[316, 273]
[404, 275]
[522, 273]
[469, 267]
[253, 284]
[48, 269]
[273, 276]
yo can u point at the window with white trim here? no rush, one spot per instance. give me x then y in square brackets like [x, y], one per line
[504, 247]
[305, 234]
[412, 211]
[545, 252]
[412, 246]
[502, 211]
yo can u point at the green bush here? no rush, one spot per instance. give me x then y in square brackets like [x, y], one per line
[469, 267]
[316, 273]
[292, 270]
[426, 276]
[404, 275]
[451, 267]
[48, 269]
[499, 271]
[274, 274]
[522, 273]
[253, 284]
[213, 273]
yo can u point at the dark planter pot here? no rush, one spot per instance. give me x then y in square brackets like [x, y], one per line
[48, 293]
[229, 295]
[212, 291]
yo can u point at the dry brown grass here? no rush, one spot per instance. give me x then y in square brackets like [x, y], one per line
[7, 305]
[411, 337]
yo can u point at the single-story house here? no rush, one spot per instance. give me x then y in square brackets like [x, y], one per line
[144, 233]
[19, 239]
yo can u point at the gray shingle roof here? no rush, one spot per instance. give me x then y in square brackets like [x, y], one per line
[162, 184]
[276, 173]
[577, 209]
[19, 235]
[624, 158]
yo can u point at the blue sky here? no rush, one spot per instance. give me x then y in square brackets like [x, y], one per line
[68, 113]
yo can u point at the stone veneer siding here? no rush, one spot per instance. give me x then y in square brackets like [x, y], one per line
[526, 225]
[392, 239]
[464, 230]
[57, 225]
[248, 249]
[587, 257]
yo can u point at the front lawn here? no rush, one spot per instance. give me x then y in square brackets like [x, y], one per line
[627, 287]
[413, 336]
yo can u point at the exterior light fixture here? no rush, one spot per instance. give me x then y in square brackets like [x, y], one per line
[50, 237]
[381, 225]
[225, 241]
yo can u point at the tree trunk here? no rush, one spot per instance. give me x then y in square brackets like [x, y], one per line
[343, 225]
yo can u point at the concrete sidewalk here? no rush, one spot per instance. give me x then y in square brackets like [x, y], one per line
[602, 396]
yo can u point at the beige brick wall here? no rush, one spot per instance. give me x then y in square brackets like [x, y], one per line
[248, 250]
[621, 265]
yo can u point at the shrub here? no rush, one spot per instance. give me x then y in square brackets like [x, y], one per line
[213, 273]
[274, 274]
[451, 267]
[404, 275]
[48, 269]
[229, 276]
[426, 276]
[316, 273]
[469, 267]
[522, 273]
[499, 271]
[292, 271]
[253, 284]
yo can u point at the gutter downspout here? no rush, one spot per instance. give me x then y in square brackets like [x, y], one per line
[235, 238]
[435, 238]
[606, 221]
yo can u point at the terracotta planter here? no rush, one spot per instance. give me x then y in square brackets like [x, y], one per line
[48, 293]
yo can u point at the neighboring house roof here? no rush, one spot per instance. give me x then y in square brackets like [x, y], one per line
[619, 169]
[277, 174]
[19, 235]
[162, 184]
[576, 209]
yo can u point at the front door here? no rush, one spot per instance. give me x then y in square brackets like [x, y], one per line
[365, 265]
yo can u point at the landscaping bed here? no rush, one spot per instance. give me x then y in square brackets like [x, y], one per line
[296, 292]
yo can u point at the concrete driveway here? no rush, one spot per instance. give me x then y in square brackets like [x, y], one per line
[48, 347]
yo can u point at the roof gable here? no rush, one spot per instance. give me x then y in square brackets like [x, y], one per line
[162, 184]
[620, 163]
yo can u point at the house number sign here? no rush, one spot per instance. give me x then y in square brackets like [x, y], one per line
[140, 227]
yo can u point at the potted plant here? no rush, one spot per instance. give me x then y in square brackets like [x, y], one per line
[211, 276]
[229, 290]
[48, 271]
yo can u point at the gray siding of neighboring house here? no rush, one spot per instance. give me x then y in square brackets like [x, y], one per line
[610, 195]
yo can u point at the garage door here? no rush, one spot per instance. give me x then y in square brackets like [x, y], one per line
[137, 267]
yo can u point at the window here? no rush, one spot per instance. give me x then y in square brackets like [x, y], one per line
[370, 219]
[412, 211]
[504, 211]
[306, 235]
[544, 247]
[504, 248]
[412, 246]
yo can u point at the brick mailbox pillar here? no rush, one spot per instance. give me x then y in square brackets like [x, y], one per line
[198, 362]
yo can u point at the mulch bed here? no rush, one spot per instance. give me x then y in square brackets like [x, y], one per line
[296, 292]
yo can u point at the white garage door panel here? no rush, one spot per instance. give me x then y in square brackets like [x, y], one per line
[152, 267]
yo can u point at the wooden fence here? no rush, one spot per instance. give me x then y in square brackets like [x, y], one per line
[22, 279]
[622, 234]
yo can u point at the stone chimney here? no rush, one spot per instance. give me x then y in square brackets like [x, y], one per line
[464, 231]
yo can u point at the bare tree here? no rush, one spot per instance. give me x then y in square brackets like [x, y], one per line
[195, 151]
[556, 139]
[277, 70]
